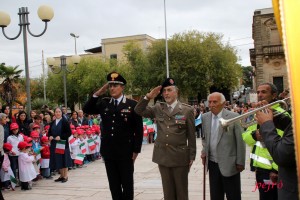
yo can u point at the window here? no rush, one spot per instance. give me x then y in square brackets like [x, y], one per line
[278, 81]
[113, 56]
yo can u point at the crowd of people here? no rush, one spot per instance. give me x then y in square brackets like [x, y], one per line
[45, 144]
[41, 144]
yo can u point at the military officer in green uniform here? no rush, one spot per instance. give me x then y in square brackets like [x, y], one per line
[175, 146]
[121, 134]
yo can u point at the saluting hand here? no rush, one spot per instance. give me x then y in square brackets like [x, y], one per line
[102, 90]
[154, 92]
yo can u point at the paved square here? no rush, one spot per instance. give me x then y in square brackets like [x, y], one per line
[91, 183]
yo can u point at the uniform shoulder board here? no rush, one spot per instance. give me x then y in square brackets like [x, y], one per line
[188, 105]
[133, 100]
[106, 98]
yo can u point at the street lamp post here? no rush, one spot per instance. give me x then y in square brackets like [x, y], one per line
[166, 38]
[45, 13]
[63, 67]
[75, 37]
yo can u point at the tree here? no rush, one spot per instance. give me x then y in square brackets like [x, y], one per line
[90, 75]
[198, 62]
[140, 70]
[247, 76]
[8, 89]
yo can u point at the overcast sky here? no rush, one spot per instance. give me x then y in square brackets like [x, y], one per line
[94, 20]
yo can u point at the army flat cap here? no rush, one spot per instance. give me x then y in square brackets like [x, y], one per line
[115, 77]
[168, 82]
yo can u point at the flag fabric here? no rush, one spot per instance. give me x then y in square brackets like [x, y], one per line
[13, 180]
[145, 131]
[147, 121]
[38, 157]
[79, 159]
[198, 122]
[150, 128]
[82, 148]
[148, 124]
[60, 147]
[95, 139]
[91, 144]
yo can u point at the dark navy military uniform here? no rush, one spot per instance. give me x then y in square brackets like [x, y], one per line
[121, 136]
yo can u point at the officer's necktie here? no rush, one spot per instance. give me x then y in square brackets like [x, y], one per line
[116, 103]
[170, 109]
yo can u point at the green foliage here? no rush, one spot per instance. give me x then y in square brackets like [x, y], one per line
[198, 61]
[37, 88]
[247, 76]
[8, 88]
[138, 66]
[90, 75]
[38, 103]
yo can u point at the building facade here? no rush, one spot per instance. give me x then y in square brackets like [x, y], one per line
[112, 48]
[267, 56]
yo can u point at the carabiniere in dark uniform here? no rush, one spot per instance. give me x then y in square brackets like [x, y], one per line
[122, 130]
[121, 135]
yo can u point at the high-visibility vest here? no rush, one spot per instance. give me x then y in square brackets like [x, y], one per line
[260, 156]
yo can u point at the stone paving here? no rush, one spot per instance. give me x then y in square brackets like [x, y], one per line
[91, 182]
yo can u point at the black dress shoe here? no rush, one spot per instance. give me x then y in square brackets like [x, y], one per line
[59, 179]
[64, 180]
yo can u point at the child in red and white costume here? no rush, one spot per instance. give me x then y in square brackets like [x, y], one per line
[45, 153]
[26, 169]
[14, 138]
[6, 171]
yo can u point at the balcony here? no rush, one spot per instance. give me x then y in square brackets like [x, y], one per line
[273, 50]
[252, 57]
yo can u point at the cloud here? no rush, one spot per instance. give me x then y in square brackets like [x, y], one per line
[95, 20]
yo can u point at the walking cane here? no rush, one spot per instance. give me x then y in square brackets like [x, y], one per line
[204, 182]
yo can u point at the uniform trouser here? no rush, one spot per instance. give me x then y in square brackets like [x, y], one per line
[268, 192]
[220, 185]
[120, 178]
[175, 182]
